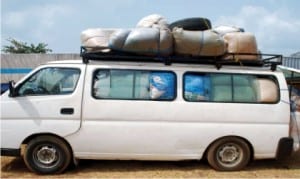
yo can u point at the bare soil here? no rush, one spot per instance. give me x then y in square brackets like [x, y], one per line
[288, 168]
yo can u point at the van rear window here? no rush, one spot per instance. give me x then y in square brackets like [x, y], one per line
[134, 84]
[241, 88]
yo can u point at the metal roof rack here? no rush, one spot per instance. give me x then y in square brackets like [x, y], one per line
[104, 54]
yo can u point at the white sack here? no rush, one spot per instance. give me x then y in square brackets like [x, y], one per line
[198, 43]
[153, 21]
[146, 41]
[96, 37]
[222, 30]
[241, 42]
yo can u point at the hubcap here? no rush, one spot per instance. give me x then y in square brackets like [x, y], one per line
[46, 155]
[229, 155]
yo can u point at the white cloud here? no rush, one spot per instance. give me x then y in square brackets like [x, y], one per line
[36, 23]
[275, 31]
[44, 15]
[13, 19]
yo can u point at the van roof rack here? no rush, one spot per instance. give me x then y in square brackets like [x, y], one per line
[105, 54]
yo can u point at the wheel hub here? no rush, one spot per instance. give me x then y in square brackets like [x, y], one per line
[46, 155]
[229, 154]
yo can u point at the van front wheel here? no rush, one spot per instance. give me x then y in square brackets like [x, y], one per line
[229, 154]
[47, 155]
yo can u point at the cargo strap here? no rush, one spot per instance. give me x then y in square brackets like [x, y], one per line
[236, 59]
[201, 43]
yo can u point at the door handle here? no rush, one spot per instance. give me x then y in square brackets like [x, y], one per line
[67, 111]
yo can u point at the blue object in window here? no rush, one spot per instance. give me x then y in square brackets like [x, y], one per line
[196, 87]
[162, 85]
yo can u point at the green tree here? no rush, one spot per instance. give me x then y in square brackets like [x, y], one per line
[22, 47]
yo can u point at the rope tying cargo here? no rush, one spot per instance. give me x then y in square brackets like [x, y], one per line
[201, 43]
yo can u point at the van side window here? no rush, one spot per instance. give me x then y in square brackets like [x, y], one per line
[50, 81]
[239, 88]
[134, 84]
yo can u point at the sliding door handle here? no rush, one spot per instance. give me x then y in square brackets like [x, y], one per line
[68, 111]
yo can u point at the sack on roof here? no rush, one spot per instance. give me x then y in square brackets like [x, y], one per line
[154, 37]
[153, 21]
[97, 38]
[198, 43]
[145, 41]
[241, 42]
[222, 30]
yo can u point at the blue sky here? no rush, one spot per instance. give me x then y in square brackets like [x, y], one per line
[59, 23]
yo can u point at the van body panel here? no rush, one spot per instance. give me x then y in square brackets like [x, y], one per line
[168, 140]
[174, 130]
[23, 116]
[146, 129]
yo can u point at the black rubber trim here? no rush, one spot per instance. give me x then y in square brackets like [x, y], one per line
[10, 152]
[285, 147]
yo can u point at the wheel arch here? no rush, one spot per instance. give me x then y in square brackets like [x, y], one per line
[29, 138]
[231, 136]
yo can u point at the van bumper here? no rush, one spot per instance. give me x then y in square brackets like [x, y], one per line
[10, 152]
[285, 147]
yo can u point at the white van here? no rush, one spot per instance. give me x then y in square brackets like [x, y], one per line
[114, 109]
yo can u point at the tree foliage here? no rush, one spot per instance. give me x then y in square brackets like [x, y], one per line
[22, 47]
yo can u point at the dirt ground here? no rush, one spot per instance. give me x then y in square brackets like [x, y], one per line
[288, 168]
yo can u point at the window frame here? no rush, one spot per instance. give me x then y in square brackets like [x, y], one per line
[265, 76]
[138, 70]
[28, 78]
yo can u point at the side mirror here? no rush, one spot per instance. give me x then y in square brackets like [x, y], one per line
[12, 89]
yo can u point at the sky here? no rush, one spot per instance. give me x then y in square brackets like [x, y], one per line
[59, 23]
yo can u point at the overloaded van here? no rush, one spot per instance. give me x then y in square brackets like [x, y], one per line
[111, 106]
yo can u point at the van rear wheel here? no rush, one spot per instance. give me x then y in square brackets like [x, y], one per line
[229, 154]
[47, 155]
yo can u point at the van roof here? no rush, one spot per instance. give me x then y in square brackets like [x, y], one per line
[66, 62]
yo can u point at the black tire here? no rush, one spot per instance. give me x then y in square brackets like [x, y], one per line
[229, 154]
[195, 23]
[47, 155]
